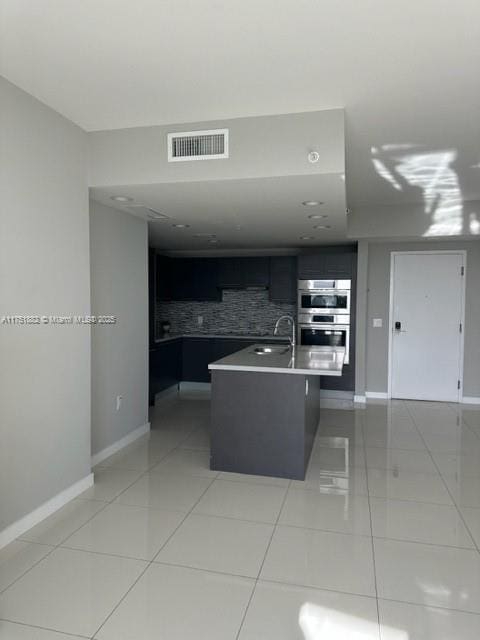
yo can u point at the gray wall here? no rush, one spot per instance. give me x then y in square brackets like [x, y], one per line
[139, 155]
[378, 281]
[411, 221]
[119, 285]
[245, 311]
[44, 270]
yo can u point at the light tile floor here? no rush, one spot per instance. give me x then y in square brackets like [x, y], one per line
[381, 541]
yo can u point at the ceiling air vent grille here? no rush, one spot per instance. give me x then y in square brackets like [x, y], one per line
[198, 145]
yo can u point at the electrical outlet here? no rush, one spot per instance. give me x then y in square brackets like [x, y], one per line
[119, 402]
[377, 322]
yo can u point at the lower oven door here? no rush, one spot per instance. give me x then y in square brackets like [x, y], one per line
[326, 336]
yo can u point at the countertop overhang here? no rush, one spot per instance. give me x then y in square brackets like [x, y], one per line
[222, 336]
[304, 360]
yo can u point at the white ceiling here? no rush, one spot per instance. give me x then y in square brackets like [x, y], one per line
[407, 73]
[258, 213]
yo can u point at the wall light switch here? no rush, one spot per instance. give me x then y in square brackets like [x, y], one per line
[119, 402]
[200, 321]
[377, 322]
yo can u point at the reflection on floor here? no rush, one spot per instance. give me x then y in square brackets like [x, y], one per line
[383, 535]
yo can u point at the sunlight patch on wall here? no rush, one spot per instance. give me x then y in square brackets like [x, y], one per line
[428, 177]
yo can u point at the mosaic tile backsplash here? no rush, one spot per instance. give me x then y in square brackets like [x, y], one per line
[240, 311]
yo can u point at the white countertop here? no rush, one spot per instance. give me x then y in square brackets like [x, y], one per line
[226, 336]
[311, 361]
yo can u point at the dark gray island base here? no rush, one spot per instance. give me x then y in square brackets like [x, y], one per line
[263, 423]
[264, 415]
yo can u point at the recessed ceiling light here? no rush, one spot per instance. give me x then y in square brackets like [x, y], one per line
[180, 226]
[311, 203]
[307, 238]
[318, 216]
[204, 235]
[322, 226]
[121, 199]
[213, 241]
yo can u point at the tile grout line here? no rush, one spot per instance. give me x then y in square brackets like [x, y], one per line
[149, 563]
[106, 504]
[275, 525]
[460, 514]
[36, 626]
[152, 561]
[54, 546]
[377, 605]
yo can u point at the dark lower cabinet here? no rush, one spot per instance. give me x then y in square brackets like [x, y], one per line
[165, 367]
[196, 356]
[223, 347]
[198, 353]
[187, 359]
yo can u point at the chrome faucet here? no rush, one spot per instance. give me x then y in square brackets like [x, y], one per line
[292, 322]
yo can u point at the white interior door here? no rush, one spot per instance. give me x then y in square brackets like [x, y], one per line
[426, 349]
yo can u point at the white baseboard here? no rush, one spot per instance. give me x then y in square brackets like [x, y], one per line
[336, 394]
[44, 510]
[167, 393]
[359, 399]
[119, 444]
[378, 395]
[470, 400]
[195, 386]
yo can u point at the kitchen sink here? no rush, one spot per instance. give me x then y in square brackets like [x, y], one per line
[270, 350]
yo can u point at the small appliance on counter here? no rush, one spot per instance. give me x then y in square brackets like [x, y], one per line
[166, 327]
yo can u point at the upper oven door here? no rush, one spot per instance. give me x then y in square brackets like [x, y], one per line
[323, 301]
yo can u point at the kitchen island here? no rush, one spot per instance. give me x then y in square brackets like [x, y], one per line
[265, 408]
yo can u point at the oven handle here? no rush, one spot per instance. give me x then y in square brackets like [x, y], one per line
[324, 291]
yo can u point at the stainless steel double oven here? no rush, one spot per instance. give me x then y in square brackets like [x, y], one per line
[324, 313]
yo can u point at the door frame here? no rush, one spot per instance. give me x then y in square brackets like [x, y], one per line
[461, 252]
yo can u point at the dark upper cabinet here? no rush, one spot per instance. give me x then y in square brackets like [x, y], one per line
[283, 279]
[230, 274]
[339, 265]
[182, 279]
[310, 266]
[239, 273]
[163, 276]
[205, 279]
[194, 279]
[326, 264]
[256, 272]
[151, 295]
